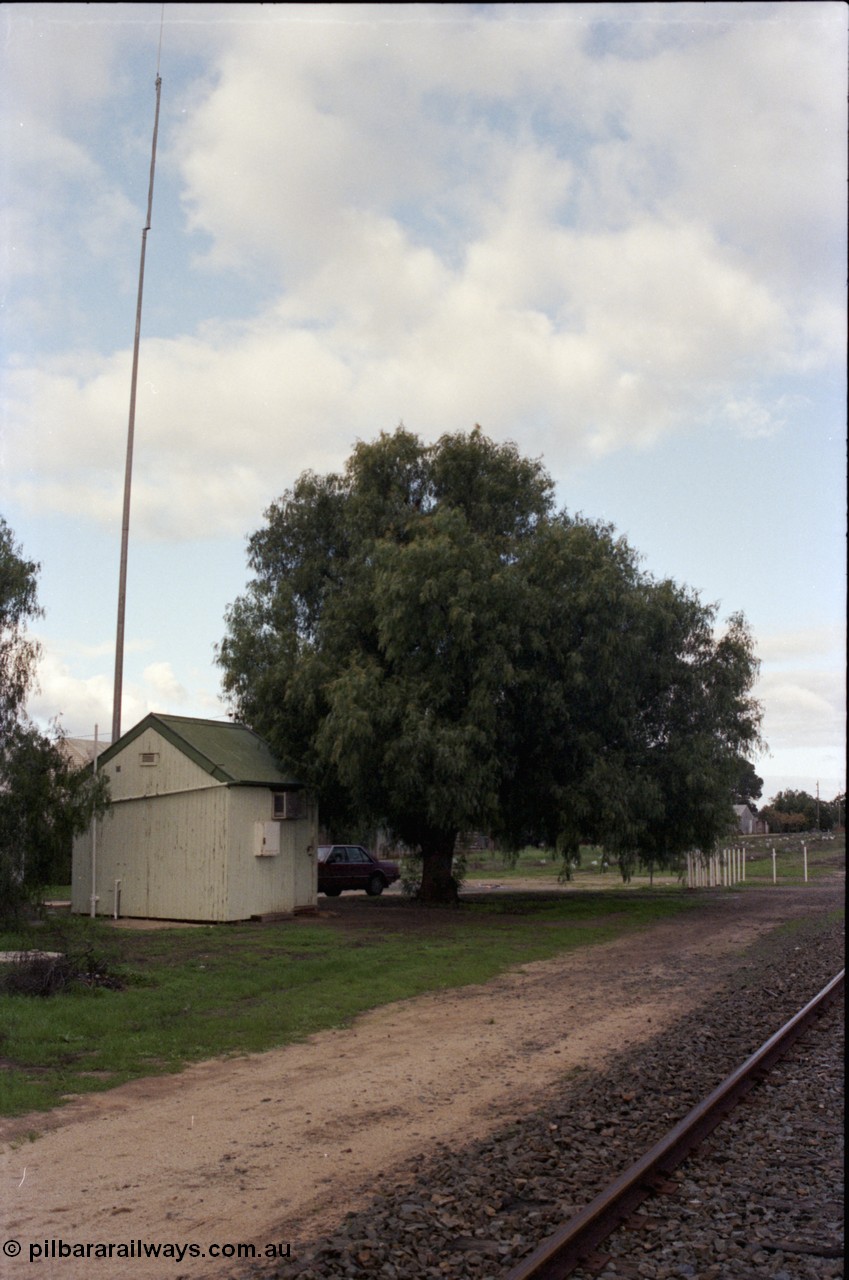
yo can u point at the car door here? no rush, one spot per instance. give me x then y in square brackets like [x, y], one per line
[336, 868]
[359, 866]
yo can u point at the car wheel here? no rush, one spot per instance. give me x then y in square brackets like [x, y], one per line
[331, 893]
[375, 886]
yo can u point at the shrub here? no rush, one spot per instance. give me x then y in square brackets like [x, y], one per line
[39, 974]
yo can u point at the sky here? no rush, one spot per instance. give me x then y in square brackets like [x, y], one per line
[613, 234]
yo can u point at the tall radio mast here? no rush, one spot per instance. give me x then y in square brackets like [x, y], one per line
[128, 470]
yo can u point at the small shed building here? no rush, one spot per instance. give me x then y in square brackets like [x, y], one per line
[748, 822]
[203, 826]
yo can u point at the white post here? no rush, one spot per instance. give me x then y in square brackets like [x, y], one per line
[773, 864]
[805, 860]
[93, 898]
[744, 865]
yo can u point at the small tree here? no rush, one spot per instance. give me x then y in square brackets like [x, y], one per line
[44, 800]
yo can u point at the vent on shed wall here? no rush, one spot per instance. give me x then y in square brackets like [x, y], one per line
[149, 757]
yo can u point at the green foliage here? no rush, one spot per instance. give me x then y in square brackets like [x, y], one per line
[44, 800]
[797, 811]
[748, 787]
[434, 648]
[19, 653]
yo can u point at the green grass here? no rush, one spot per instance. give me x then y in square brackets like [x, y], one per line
[195, 993]
[542, 865]
[824, 856]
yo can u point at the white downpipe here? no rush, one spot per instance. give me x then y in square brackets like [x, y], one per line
[116, 889]
[93, 898]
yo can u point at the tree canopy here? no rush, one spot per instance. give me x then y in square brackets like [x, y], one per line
[44, 801]
[19, 652]
[798, 811]
[436, 648]
[748, 787]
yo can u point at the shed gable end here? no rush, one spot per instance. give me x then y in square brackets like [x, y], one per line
[149, 765]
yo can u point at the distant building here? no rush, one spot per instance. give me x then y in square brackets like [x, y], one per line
[80, 751]
[203, 826]
[748, 822]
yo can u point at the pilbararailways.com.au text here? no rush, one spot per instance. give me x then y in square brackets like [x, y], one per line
[56, 1249]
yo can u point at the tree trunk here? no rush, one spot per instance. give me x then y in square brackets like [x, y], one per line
[438, 884]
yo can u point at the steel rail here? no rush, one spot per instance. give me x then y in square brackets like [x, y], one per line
[571, 1244]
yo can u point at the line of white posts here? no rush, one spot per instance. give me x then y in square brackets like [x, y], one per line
[727, 867]
[711, 871]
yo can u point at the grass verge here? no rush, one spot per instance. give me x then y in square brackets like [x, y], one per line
[195, 993]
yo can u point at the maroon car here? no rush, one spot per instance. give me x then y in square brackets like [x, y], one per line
[350, 866]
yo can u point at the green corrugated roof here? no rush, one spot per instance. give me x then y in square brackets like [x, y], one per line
[231, 753]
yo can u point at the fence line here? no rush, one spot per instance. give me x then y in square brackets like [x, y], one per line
[727, 867]
[716, 870]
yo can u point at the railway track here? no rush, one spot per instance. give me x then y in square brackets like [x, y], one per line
[576, 1241]
[479, 1211]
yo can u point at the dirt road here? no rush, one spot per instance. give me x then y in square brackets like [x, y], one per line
[273, 1148]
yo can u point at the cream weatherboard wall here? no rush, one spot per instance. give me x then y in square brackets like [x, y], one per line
[191, 832]
[289, 876]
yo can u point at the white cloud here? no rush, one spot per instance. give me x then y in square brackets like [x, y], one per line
[803, 690]
[523, 334]
[416, 187]
[803, 708]
[587, 227]
[812, 643]
[80, 703]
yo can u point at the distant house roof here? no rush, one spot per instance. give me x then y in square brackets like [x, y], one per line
[230, 753]
[81, 751]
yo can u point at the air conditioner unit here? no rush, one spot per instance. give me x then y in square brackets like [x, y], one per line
[288, 805]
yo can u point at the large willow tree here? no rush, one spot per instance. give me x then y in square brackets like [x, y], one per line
[435, 648]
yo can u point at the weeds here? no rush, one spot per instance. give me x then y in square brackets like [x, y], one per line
[41, 974]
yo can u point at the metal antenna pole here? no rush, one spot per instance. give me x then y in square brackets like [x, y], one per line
[128, 471]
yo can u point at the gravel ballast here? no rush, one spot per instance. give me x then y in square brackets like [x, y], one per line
[763, 1200]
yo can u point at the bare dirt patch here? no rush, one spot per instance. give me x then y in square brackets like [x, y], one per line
[279, 1146]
